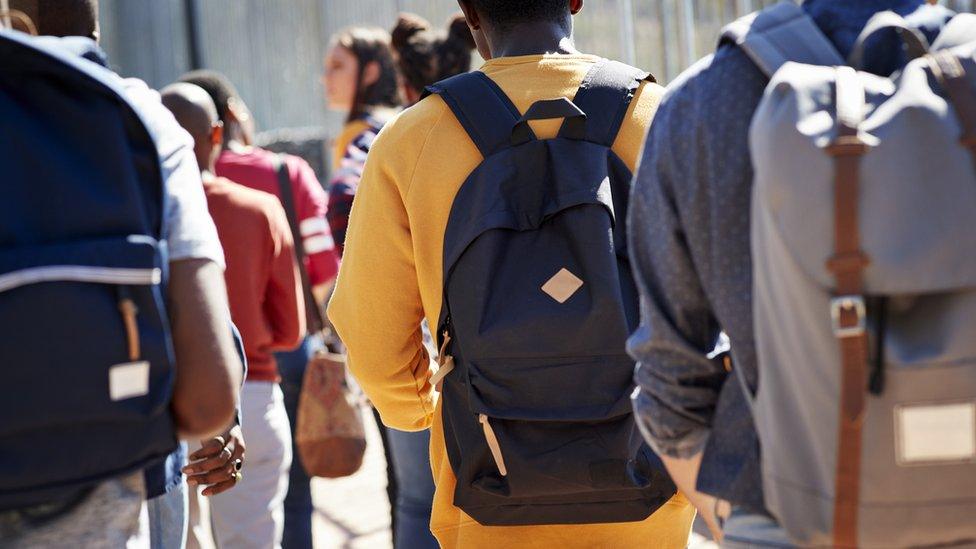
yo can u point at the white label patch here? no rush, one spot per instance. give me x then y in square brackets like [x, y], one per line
[935, 433]
[128, 380]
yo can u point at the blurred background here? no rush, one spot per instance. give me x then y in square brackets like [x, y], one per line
[273, 49]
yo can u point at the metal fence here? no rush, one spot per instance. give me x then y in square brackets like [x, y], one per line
[273, 49]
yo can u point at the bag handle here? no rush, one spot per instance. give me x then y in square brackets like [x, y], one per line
[313, 313]
[548, 109]
[916, 45]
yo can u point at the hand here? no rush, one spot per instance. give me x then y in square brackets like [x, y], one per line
[713, 511]
[217, 465]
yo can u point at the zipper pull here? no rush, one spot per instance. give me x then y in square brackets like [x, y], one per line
[492, 440]
[129, 311]
[445, 364]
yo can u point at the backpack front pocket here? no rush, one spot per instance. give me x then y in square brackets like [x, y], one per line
[546, 430]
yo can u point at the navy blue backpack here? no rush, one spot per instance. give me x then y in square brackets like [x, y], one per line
[86, 359]
[538, 303]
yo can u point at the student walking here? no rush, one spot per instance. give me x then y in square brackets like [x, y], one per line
[506, 474]
[266, 304]
[691, 228]
[256, 168]
[101, 490]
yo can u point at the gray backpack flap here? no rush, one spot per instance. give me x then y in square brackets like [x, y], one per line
[864, 258]
[538, 304]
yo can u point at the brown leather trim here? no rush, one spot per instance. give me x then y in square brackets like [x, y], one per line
[847, 266]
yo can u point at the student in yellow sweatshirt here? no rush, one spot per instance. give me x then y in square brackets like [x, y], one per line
[392, 272]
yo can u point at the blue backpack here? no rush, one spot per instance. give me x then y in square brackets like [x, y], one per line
[85, 350]
[538, 303]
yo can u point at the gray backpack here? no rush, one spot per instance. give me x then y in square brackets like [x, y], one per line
[865, 284]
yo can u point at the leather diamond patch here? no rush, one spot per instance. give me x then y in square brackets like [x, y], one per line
[562, 286]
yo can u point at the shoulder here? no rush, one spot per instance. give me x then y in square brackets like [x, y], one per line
[245, 201]
[720, 87]
[415, 121]
[403, 140]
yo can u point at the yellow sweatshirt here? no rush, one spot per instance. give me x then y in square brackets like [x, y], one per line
[391, 278]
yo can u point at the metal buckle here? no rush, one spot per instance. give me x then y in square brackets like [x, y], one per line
[843, 303]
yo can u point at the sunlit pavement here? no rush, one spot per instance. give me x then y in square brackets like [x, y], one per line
[354, 513]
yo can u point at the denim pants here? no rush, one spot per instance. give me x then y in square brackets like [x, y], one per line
[746, 530]
[168, 519]
[415, 489]
[298, 502]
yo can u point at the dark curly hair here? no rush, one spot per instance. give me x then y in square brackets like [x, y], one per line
[368, 45]
[424, 56]
[507, 14]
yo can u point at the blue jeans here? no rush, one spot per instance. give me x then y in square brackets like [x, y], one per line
[745, 530]
[168, 519]
[298, 502]
[415, 489]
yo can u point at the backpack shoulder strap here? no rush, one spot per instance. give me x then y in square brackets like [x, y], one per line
[780, 33]
[482, 108]
[960, 30]
[605, 95]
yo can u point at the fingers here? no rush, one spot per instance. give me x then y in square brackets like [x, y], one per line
[215, 476]
[209, 448]
[215, 461]
[220, 487]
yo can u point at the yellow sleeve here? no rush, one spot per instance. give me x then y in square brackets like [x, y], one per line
[376, 307]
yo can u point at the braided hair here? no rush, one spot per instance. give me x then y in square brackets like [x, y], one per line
[371, 45]
[425, 56]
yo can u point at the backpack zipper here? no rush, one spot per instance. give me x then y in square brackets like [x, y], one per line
[445, 363]
[492, 440]
[129, 311]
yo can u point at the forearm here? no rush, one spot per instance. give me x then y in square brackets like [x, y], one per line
[208, 372]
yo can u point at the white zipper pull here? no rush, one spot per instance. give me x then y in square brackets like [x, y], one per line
[496, 450]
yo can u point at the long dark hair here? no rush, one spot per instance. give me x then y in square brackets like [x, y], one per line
[369, 45]
[424, 56]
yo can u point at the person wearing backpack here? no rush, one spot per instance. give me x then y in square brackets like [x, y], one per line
[533, 442]
[101, 293]
[736, 231]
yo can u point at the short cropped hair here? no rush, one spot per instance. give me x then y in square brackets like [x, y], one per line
[219, 87]
[61, 17]
[506, 14]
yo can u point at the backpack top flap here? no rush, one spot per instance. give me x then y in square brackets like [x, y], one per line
[917, 184]
[780, 33]
[79, 141]
[494, 123]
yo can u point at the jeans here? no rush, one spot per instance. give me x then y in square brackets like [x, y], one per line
[298, 502]
[746, 530]
[168, 519]
[415, 489]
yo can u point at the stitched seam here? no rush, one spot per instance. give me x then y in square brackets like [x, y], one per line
[423, 149]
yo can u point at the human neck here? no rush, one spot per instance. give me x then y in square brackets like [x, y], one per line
[533, 39]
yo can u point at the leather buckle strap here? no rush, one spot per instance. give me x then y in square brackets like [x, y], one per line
[848, 311]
